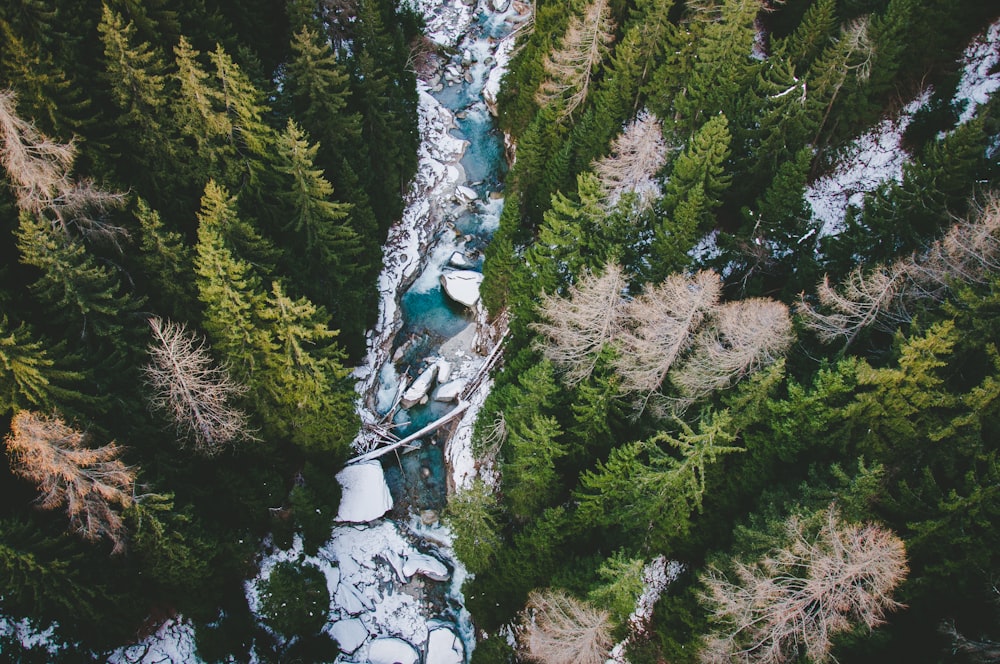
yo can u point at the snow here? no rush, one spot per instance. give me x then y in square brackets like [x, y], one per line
[450, 391]
[981, 72]
[444, 647]
[466, 193]
[447, 22]
[349, 634]
[420, 387]
[425, 565]
[462, 286]
[365, 494]
[872, 159]
[392, 651]
[173, 643]
[458, 260]
[656, 576]
[31, 635]
[459, 454]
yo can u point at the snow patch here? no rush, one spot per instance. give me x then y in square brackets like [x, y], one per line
[173, 643]
[981, 72]
[365, 494]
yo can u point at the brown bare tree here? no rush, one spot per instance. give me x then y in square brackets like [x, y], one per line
[795, 600]
[637, 154]
[571, 65]
[575, 327]
[559, 629]
[884, 297]
[196, 395]
[864, 298]
[745, 336]
[663, 321]
[90, 482]
[38, 169]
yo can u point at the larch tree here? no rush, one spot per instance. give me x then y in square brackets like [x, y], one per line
[571, 66]
[38, 169]
[574, 328]
[560, 629]
[743, 337]
[792, 602]
[664, 320]
[193, 392]
[865, 297]
[91, 482]
[636, 156]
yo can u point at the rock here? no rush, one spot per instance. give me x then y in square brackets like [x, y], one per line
[349, 634]
[468, 77]
[426, 565]
[450, 391]
[465, 192]
[466, 58]
[444, 371]
[500, 6]
[429, 517]
[458, 260]
[365, 495]
[392, 651]
[420, 387]
[444, 647]
[462, 286]
[496, 195]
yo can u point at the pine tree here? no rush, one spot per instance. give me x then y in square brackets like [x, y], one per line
[701, 163]
[653, 487]
[29, 376]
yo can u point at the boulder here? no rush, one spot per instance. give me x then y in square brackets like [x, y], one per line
[349, 634]
[364, 494]
[392, 651]
[444, 371]
[466, 193]
[425, 565]
[444, 647]
[462, 286]
[419, 388]
[450, 391]
[458, 260]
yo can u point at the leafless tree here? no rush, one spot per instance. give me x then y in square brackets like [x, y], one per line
[90, 482]
[187, 386]
[575, 327]
[744, 336]
[795, 600]
[637, 154]
[571, 65]
[38, 169]
[885, 296]
[559, 629]
[662, 323]
[865, 297]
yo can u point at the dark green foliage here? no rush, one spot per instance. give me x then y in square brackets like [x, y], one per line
[294, 599]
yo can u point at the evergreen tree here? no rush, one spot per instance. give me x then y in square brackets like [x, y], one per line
[703, 162]
[29, 376]
[166, 261]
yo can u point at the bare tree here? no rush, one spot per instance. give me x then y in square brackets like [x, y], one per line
[663, 321]
[38, 169]
[865, 298]
[559, 629]
[795, 600]
[195, 394]
[571, 65]
[745, 336]
[637, 154]
[884, 296]
[91, 482]
[575, 327]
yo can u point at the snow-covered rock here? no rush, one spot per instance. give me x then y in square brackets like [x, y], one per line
[450, 391]
[444, 371]
[444, 647]
[349, 634]
[365, 495]
[392, 651]
[466, 193]
[421, 387]
[172, 643]
[500, 6]
[458, 260]
[462, 286]
[425, 565]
